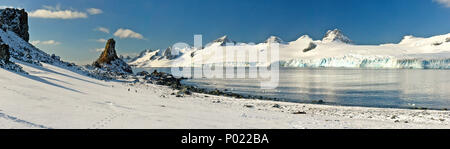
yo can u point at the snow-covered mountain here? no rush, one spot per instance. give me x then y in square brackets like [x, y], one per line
[158, 57]
[274, 39]
[334, 50]
[222, 41]
[335, 36]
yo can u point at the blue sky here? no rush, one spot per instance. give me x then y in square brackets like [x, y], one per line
[71, 28]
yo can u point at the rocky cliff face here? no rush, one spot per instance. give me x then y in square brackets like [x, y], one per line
[109, 61]
[15, 20]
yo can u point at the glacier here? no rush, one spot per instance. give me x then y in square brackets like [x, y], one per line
[370, 62]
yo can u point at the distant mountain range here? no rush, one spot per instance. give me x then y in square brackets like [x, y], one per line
[334, 50]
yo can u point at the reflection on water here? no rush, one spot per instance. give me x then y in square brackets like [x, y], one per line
[401, 88]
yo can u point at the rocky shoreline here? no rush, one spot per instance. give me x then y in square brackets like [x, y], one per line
[167, 79]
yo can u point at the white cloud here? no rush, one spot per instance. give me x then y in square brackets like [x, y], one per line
[99, 49]
[101, 40]
[3, 7]
[127, 33]
[57, 7]
[102, 29]
[446, 3]
[50, 12]
[48, 42]
[57, 14]
[94, 11]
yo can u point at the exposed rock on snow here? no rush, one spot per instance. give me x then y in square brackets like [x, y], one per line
[274, 39]
[4, 60]
[335, 36]
[223, 41]
[145, 57]
[110, 62]
[142, 73]
[15, 20]
[310, 47]
[4, 53]
[170, 53]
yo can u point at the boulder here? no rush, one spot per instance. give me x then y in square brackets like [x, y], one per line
[4, 53]
[310, 47]
[142, 73]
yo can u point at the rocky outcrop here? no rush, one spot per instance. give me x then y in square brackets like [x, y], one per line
[109, 53]
[15, 20]
[310, 47]
[109, 61]
[4, 60]
[4, 53]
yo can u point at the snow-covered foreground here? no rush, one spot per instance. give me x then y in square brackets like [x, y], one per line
[53, 97]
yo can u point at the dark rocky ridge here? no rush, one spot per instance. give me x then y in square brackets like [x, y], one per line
[15, 20]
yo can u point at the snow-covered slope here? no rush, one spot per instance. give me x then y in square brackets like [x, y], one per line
[22, 51]
[55, 97]
[334, 50]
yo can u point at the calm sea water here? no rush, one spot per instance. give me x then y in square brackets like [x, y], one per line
[393, 88]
